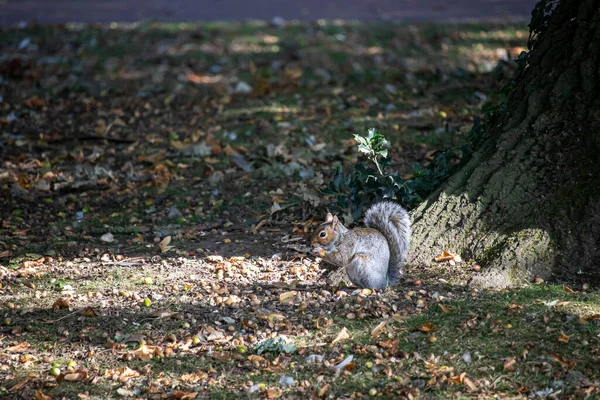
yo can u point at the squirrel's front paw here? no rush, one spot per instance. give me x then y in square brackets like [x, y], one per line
[319, 251]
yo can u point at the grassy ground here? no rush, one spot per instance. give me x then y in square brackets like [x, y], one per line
[116, 138]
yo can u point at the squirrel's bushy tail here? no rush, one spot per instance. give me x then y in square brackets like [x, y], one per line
[394, 223]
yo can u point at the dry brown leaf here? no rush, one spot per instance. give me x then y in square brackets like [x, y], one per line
[33, 263]
[88, 312]
[273, 316]
[569, 290]
[39, 395]
[273, 393]
[458, 379]
[164, 244]
[253, 358]
[287, 297]
[162, 314]
[509, 365]
[180, 395]
[62, 302]
[445, 256]
[426, 327]
[121, 375]
[323, 390]
[75, 376]
[18, 385]
[35, 102]
[389, 344]
[342, 335]
[378, 329]
[17, 348]
[563, 338]
[400, 318]
[443, 307]
[195, 377]
[469, 383]
[146, 353]
[565, 363]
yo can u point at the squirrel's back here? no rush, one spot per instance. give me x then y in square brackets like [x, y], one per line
[393, 222]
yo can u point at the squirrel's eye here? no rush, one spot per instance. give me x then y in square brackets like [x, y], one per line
[323, 234]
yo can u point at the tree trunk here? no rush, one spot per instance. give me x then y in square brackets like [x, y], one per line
[528, 202]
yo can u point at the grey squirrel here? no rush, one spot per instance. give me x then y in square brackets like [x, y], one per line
[374, 256]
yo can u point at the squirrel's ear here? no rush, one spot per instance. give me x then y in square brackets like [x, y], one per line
[329, 217]
[335, 221]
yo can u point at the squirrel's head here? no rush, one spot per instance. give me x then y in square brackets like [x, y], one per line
[325, 233]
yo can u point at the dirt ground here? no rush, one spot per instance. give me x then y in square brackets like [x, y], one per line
[12, 11]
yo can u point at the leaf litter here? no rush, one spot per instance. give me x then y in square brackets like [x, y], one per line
[156, 189]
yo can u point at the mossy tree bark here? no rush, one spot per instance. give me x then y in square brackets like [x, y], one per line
[528, 202]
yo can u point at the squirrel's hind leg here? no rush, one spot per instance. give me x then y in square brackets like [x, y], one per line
[362, 274]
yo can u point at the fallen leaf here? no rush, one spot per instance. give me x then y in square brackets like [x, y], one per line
[194, 377]
[146, 352]
[253, 358]
[39, 395]
[62, 302]
[17, 348]
[389, 344]
[569, 290]
[469, 383]
[563, 338]
[121, 375]
[509, 365]
[287, 297]
[378, 329]
[164, 244]
[565, 363]
[342, 335]
[426, 327]
[88, 312]
[180, 395]
[125, 392]
[445, 256]
[458, 379]
[76, 376]
[323, 390]
[273, 393]
[107, 237]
